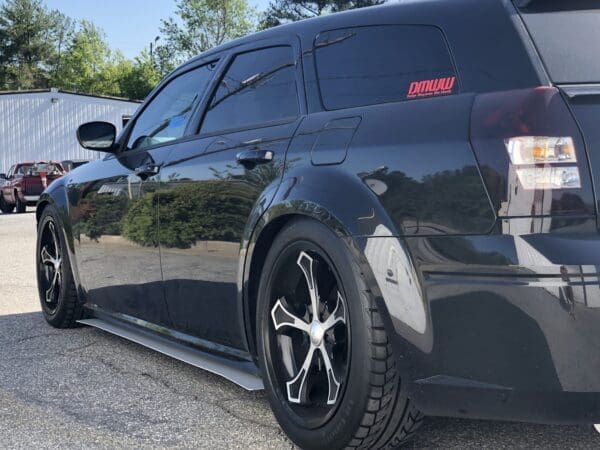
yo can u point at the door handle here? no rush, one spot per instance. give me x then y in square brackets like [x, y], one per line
[253, 142]
[252, 158]
[147, 171]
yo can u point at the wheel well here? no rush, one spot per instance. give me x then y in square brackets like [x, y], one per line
[39, 210]
[259, 255]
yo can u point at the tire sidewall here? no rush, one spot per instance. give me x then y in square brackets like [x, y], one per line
[4, 205]
[342, 426]
[20, 206]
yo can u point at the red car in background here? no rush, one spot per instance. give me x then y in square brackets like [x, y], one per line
[24, 184]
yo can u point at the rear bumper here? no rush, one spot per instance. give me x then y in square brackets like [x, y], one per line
[508, 328]
[447, 397]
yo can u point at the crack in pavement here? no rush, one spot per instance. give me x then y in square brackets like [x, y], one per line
[219, 403]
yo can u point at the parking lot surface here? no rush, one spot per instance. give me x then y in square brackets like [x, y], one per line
[84, 388]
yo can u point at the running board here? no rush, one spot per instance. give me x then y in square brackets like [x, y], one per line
[211, 363]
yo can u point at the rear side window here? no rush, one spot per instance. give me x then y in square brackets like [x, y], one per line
[567, 35]
[258, 88]
[381, 64]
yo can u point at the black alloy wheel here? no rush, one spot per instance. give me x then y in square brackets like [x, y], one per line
[309, 333]
[50, 267]
[56, 286]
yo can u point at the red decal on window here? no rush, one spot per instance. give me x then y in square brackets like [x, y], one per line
[428, 88]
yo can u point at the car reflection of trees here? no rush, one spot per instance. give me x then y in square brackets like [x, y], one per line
[190, 211]
[451, 201]
[101, 209]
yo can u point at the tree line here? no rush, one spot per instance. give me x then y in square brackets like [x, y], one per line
[42, 48]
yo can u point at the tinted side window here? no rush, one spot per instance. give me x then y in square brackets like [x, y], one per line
[258, 88]
[380, 64]
[168, 114]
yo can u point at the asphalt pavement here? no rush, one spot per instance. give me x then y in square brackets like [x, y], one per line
[83, 388]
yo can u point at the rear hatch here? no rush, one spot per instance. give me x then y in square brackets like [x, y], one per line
[566, 34]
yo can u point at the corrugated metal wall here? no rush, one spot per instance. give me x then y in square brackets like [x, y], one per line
[34, 127]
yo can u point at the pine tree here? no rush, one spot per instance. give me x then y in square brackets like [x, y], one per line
[285, 11]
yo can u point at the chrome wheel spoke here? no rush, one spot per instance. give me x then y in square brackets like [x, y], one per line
[54, 286]
[284, 318]
[296, 388]
[47, 259]
[55, 241]
[338, 315]
[334, 384]
[51, 260]
[306, 264]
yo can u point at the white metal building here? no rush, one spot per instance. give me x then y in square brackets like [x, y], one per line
[41, 125]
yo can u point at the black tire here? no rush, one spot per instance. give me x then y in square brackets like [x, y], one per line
[20, 207]
[5, 207]
[61, 308]
[373, 410]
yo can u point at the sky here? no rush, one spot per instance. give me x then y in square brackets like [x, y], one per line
[130, 25]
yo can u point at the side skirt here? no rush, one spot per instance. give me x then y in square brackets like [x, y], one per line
[241, 373]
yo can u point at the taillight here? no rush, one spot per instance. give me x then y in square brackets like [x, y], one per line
[541, 162]
[531, 154]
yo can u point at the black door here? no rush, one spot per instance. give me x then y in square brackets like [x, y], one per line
[114, 206]
[213, 189]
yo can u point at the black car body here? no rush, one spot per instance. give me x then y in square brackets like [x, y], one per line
[451, 147]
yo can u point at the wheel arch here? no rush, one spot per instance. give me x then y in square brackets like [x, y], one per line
[269, 226]
[276, 217]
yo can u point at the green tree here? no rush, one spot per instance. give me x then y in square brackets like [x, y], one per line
[41, 48]
[89, 65]
[137, 80]
[204, 24]
[285, 11]
[61, 35]
[27, 36]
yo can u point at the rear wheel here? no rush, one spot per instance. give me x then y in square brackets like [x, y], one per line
[20, 206]
[328, 366]
[5, 207]
[57, 291]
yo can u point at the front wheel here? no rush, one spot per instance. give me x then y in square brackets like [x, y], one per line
[58, 294]
[21, 206]
[5, 207]
[330, 374]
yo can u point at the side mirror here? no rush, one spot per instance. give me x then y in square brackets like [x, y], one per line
[98, 136]
[2, 176]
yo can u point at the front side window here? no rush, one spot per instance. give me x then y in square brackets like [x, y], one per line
[258, 88]
[166, 117]
[382, 64]
[23, 170]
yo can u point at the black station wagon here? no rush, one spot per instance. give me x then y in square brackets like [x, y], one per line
[375, 215]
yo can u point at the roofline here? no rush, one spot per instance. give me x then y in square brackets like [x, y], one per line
[29, 163]
[63, 91]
